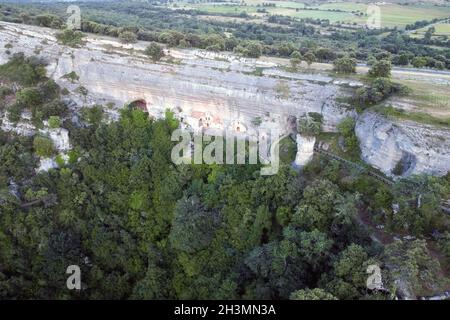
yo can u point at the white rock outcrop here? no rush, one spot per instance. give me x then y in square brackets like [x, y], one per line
[59, 137]
[61, 142]
[23, 128]
[305, 150]
[46, 164]
[384, 142]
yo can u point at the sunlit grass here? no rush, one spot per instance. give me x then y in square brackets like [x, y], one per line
[391, 14]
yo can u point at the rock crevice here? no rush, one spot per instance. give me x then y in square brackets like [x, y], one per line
[421, 148]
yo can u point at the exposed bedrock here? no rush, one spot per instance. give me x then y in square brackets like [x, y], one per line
[305, 150]
[194, 90]
[194, 87]
[403, 147]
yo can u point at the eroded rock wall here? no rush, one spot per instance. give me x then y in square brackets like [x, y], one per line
[224, 86]
[420, 148]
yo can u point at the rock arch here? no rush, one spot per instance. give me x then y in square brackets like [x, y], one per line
[139, 104]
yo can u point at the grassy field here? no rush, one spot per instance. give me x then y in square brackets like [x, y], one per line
[420, 117]
[432, 98]
[281, 4]
[315, 14]
[234, 19]
[442, 29]
[348, 6]
[395, 15]
[427, 103]
[391, 14]
[226, 9]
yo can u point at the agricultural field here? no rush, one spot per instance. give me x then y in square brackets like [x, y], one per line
[224, 8]
[442, 29]
[392, 15]
[281, 4]
[396, 15]
[431, 98]
[333, 17]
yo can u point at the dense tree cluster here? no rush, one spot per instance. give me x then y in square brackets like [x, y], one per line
[344, 65]
[25, 77]
[69, 37]
[154, 51]
[380, 69]
[310, 124]
[141, 227]
[376, 91]
[347, 129]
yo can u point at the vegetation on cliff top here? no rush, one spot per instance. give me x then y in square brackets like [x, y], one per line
[315, 39]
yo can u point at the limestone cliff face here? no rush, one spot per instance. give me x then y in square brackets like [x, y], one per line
[59, 137]
[420, 148]
[225, 86]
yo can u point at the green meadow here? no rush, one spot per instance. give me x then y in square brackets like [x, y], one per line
[442, 29]
[391, 14]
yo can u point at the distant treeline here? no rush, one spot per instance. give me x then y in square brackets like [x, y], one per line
[285, 35]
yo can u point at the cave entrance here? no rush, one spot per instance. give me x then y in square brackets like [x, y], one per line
[140, 104]
[405, 165]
